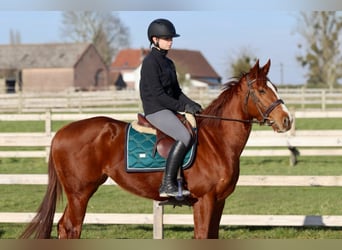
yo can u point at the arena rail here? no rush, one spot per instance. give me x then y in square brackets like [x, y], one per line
[125, 100]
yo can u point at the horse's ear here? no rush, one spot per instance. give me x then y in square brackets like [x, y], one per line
[256, 65]
[255, 68]
[267, 66]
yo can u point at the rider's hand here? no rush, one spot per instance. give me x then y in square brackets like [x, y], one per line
[193, 108]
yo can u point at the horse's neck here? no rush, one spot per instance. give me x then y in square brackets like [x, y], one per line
[236, 132]
[227, 133]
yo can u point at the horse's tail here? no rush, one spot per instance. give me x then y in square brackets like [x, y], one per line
[41, 225]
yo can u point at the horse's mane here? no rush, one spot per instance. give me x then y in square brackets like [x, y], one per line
[215, 108]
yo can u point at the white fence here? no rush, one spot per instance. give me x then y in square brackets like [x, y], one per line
[129, 101]
[320, 143]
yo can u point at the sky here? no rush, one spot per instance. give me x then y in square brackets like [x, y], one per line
[219, 35]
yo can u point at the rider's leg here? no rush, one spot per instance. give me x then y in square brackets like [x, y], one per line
[168, 122]
[174, 161]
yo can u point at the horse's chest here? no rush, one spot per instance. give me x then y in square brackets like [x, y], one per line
[224, 188]
[226, 182]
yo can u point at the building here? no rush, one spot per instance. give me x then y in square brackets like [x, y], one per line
[192, 67]
[52, 67]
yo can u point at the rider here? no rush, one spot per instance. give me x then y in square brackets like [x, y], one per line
[162, 98]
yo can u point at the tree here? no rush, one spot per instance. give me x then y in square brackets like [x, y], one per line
[321, 54]
[241, 63]
[104, 29]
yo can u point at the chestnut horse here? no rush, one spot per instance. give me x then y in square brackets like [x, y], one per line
[86, 152]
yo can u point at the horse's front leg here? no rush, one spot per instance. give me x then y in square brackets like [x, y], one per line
[207, 216]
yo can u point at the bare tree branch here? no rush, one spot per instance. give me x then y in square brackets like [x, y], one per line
[321, 50]
[104, 29]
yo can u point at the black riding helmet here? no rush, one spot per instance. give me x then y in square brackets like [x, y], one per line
[161, 28]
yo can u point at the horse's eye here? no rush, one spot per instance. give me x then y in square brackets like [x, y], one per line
[261, 91]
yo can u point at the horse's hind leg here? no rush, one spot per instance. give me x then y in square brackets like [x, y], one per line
[70, 224]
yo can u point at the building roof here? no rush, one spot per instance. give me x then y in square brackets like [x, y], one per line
[192, 62]
[187, 61]
[61, 55]
[128, 59]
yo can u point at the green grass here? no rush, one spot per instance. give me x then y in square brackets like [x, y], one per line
[315, 123]
[29, 126]
[226, 232]
[245, 200]
[95, 231]
[307, 165]
[23, 166]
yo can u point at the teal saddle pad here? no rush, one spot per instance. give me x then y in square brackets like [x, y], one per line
[140, 155]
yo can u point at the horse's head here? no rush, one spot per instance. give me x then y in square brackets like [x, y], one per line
[263, 101]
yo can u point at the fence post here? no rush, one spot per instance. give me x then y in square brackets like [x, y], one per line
[303, 97]
[80, 100]
[293, 127]
[293, 150]
[158, 212]
[48, 130]
[68, 98]
[323, 100]
[20, 102]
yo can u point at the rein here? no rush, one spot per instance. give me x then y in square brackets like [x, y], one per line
[265, 115]
[227, 119]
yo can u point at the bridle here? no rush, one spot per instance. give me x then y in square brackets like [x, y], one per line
[260, 107]
[267, 110]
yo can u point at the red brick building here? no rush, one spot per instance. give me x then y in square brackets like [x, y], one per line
[53, 67]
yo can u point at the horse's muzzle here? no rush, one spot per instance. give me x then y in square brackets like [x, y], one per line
[283, 124]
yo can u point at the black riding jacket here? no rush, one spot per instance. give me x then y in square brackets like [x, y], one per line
[159, 87]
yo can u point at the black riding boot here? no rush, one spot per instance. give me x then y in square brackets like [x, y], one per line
[174, 161]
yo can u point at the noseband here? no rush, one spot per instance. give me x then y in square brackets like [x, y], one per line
[259, 105]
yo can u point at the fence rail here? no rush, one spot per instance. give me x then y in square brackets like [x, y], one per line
[187, 219]
[129, 101]
[244, 180]
[327, 143]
